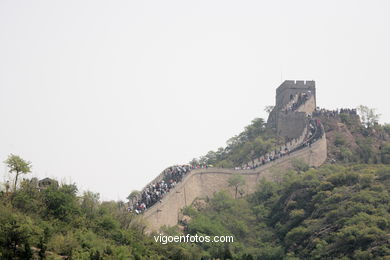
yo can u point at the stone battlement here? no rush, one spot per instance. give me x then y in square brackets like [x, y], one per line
[296, 84]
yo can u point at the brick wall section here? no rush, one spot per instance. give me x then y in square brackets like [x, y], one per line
[205, 182]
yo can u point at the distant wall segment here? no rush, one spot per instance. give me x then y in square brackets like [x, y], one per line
[289, 117]
[205, 182]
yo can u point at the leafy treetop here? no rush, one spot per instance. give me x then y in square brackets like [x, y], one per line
[17, 165]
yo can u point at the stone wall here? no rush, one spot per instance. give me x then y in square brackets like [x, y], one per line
[309, 106]
[293, 123]
[287, 90]
[205, 182]
[290, 88]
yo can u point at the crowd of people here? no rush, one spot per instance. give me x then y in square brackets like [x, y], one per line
[315, 132]
[273, 156]
[154, 192]
[334, 113]
[299, 100]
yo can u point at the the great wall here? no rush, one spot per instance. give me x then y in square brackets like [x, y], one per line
[291, 118]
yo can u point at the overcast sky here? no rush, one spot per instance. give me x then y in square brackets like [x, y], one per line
[107, 94]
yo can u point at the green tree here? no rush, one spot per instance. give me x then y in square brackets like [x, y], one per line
[385, 153]
[18, 166]
[133, 195]
[368, 115]
[236, 181]
[194, 162]
[90, 203]
[268, 109]
[62, 202]
[17, 231]
[256, 128]
[365, 149]
[210, 158]
[27, 198]
[225, 164]
[261, 146]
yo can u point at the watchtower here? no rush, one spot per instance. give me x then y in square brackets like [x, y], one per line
[295, 100]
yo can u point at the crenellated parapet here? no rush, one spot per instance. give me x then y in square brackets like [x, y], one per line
[290, 87]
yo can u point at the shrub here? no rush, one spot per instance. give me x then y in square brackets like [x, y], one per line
[299, 165]
[339, 140]
[63, 244]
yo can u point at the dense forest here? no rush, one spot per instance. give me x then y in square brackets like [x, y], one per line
[340, 210]
[334, 212]
[56, 223]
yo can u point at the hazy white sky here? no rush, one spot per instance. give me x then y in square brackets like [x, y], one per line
[109, 93]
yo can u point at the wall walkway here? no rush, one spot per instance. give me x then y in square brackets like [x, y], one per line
[205, 182]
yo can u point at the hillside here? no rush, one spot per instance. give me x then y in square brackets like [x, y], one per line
[334, 212]
[340, 210]
[56, 223]
[350, 141]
